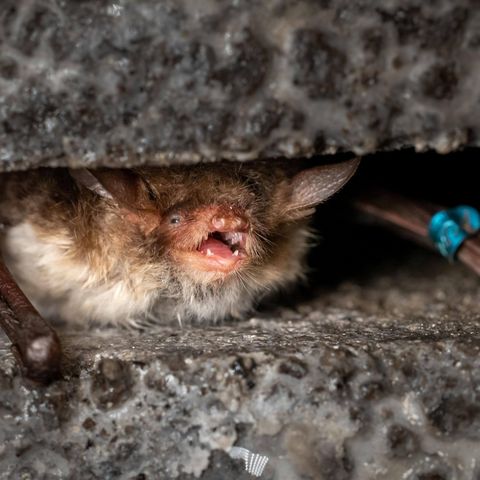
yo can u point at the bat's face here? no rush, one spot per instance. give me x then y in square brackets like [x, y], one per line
[215, 223]
[213, 241]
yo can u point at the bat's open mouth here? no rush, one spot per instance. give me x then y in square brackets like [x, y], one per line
[221, 244]
[219, 253]
[222, 250]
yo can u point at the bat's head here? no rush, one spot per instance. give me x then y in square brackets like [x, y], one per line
[224, 233]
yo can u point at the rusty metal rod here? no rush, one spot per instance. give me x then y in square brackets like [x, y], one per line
[34, 341]
[411, 218]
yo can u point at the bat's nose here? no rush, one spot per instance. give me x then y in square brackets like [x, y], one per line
[229, 221]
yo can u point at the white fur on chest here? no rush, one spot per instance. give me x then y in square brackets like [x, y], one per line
[61, 286]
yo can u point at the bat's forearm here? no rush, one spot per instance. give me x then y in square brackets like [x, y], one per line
[34, 341]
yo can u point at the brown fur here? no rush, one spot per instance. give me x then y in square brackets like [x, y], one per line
[86, 257]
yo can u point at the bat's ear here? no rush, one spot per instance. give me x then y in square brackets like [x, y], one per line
[314, 185]
[119, 185]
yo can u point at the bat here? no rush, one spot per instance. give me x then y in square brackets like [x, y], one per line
[150, 245]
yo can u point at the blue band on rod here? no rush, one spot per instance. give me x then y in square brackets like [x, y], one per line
[448, 229]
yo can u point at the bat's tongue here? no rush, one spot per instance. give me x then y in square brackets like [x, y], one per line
[213, 247]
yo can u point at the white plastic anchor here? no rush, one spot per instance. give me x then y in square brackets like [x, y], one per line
[254, 463]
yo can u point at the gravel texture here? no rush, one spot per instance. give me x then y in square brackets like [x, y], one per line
[133, 81]
[373, 377]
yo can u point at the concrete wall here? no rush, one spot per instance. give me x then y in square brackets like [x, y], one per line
[179, 80]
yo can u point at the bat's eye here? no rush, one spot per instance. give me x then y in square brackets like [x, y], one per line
[175, 219]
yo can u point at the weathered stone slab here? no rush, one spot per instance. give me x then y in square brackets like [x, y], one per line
[376, 378]
[132, 81]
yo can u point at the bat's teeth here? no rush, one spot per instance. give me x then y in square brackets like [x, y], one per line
[235, 253]
[233, 238]
[209, 253]
[227, 238]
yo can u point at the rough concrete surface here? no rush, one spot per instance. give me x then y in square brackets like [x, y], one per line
[131, 81]
[374, 377]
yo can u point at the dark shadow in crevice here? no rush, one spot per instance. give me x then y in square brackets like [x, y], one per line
[351, 248]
